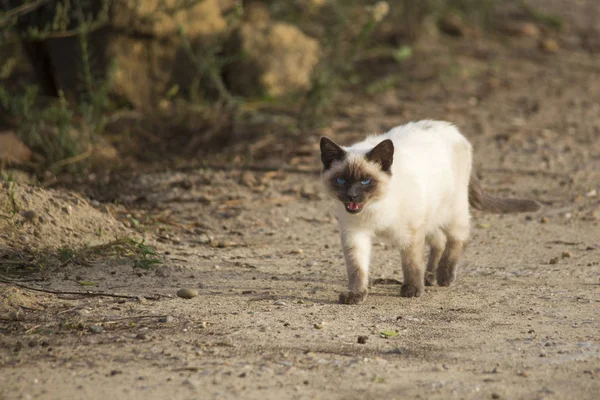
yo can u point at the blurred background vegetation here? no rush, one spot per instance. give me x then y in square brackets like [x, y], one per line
[88, 84]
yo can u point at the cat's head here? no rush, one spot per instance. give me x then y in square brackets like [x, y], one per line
[356, 179]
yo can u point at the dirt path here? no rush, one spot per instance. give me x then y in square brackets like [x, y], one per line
[262, 250]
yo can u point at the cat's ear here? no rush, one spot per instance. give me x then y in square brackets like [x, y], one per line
[330, 152]
[382, 154]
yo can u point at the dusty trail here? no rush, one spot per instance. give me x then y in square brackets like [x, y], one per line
[262, 250]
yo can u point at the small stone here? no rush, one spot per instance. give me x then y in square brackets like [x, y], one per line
[553, 260]
[362, 339]
[592, 193]
[549, 45]
[203, 238]
[24, 239]
[544, 220]
[32, 343]
[279, 303]
[115, 372]
[566, 254]
[67, 210]
[141, 336]
[95, 203]
[297, 251]
[189, 383]
[95, 329]
[202, 325]
[319, 325]
[523, 374]
[29, 215]
[495, 396]
[187, 293]
[166, 319]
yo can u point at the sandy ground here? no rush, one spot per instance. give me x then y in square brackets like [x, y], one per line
[262, 250]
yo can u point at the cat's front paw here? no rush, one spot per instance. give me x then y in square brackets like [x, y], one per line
[352, 297]
[407, 290]
[445, 276]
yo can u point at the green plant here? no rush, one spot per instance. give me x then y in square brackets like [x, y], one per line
[343, 46]
[59, 132]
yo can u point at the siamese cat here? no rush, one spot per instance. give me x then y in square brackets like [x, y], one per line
[412, 185]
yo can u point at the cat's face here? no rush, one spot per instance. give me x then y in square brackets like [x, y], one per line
[356, 179]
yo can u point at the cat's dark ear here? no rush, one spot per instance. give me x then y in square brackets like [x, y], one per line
[330, 152]
[383, 154]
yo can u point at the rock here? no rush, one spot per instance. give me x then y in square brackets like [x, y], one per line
[319, 325]
[362, 339]
[553, 260]
[279, 57]
[166, 319]
[162, 18]
[187, 293]
[279, 303]
[141, 336]
[549, 45]
[566, 254]
[29, 215]
[96, 329]
[150, 57]
[12, 149]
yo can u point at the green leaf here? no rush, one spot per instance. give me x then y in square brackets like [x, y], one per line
[389, 333]
[403, 53]
[87, 283]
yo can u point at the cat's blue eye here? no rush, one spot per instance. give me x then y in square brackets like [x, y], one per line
[340, 181]
[365, 182]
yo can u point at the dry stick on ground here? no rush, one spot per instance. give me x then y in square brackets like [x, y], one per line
[92, 294]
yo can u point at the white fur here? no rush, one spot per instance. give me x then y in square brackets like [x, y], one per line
[427, 192]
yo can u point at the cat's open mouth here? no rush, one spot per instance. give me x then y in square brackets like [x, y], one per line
[353, 207]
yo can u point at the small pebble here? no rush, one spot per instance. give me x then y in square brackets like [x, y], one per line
[95, 329]
[166, 319]
[544, 220]
[202, 325]
[553, 260]
[297, 251]
[319, 325]
[279, 303]
[566, 254]
[29, 215]
[362, 339]
[187, 293]
[141, 336]
[523, 374]
[495, 396]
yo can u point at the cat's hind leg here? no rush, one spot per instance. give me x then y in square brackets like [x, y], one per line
[436, 242]
[457, 235]
[413, 268]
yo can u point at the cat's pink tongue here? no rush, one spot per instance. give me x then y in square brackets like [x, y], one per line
[353, 206]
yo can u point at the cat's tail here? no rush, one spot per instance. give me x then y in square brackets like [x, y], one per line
[481, 200]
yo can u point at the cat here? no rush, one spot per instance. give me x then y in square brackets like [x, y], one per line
[413, 185]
